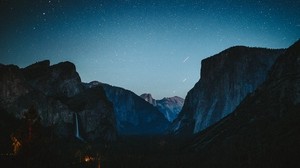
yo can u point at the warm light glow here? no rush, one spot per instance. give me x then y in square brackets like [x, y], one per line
[88, 158]
[98, 163]
[16, 145]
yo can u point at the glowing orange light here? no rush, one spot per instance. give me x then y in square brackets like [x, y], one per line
[88, 158]
[16, 145]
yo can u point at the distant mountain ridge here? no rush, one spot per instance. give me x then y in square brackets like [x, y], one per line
[103, 111]
[226, 79]
[169, 106]
[133, 114]
[148, 98]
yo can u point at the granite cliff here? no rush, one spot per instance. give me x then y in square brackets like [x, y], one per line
[169, 106]
[263, 131]
[133, 114]
[52, 91]
[226, 79]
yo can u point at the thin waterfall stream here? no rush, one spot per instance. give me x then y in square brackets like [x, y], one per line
[77, 128]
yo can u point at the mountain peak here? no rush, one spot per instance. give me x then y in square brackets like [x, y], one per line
[264, 127]
[59, 79]
[133, 114]
[174, 98]
[148, 97]
[168, 106]
[44, 63]
[65, 66]
[92, 84]
[226, 78]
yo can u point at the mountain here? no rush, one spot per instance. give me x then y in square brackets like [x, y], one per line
[169, 106]
[226, 79]
[133, 114]
[148, 98]
[263, 131]
[53, 91]
[59, 80]
[96, 113]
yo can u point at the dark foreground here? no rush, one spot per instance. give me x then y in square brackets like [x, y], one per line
[136, 151]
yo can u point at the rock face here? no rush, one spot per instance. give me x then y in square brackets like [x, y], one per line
[96, 113]
[226, 79]
[148, 98]
[263, 131]
[60, 80]
[52, 89]
[169, 106]
[133, 114]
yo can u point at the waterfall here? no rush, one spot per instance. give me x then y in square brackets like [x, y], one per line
[77, 127]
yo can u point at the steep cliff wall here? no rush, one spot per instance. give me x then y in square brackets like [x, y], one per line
[263, 131]
[226, 79]
[133, 114]
[52, 89]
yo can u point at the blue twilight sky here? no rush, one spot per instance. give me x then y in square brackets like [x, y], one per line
[151, 46]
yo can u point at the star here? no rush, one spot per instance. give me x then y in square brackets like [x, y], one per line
[155, 41]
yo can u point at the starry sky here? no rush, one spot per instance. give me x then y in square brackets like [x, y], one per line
[152, 46]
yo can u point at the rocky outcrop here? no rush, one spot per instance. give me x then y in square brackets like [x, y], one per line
[52, 89]
[60, 80]
[169, 106]
[226, 79]
[133, 114]
[263, 131]
[148, 98]
[96, 114]
[12, 84]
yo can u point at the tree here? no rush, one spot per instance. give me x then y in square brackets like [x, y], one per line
[32, 118]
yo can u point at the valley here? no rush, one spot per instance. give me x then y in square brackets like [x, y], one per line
[243, 112]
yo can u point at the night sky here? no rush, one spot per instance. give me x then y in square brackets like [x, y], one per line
[144, 46]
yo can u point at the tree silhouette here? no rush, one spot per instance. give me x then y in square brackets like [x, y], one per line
[32, 118]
